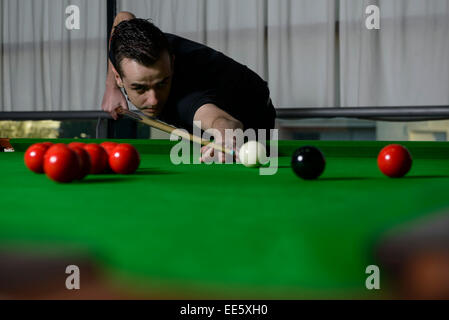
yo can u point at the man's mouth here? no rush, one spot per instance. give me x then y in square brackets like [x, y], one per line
[149, 110]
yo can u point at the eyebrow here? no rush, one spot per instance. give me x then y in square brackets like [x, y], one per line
[140, 85]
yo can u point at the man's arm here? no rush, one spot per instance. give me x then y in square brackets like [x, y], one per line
[212, 117]
[113, 97]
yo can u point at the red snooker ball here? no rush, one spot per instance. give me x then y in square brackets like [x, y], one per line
[34, 157]
[48, 144]
[76, 144]
[98, 158]
[124, 159]
[83, 162]
[109, 146]
[394, 161]
[61, 163]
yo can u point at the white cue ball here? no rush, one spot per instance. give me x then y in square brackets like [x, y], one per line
[253, 154]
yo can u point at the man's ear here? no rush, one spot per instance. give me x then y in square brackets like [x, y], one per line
[118, 79]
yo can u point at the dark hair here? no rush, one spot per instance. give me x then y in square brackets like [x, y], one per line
[139, 40]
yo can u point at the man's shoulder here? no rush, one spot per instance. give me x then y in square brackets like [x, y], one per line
[200, 54]
[183, 45]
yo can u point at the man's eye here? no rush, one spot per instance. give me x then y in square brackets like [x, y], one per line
[162, 84]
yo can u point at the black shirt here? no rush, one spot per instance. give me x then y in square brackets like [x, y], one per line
[203, 75]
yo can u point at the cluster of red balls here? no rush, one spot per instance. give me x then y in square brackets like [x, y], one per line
[66, 163]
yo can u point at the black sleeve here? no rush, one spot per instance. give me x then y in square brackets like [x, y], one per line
[188, 105]
[205, 76]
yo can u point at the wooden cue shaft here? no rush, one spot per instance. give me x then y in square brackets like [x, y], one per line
[169, 129]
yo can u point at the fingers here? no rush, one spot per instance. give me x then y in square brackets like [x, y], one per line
[232, 145]
[236, 155]
[114, 114]
[112, 100]
[207, 154]
[111, 110]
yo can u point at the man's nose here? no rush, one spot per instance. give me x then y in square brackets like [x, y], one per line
[152, 98]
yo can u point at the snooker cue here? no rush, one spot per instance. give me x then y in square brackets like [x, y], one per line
[169, 129]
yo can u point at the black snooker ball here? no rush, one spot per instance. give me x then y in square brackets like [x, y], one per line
[308, 162]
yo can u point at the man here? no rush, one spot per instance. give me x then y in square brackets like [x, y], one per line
[179, 81]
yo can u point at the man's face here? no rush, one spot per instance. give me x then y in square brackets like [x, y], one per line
[148, 88]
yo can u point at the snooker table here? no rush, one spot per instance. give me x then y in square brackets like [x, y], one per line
[219, 231]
